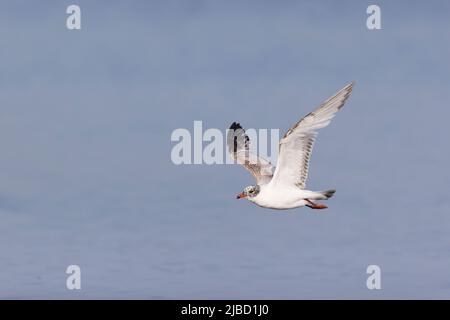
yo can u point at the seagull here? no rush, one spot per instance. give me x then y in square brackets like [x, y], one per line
[283, 187]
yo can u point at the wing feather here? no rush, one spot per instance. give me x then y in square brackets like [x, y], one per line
[238, 144]
[294, 150]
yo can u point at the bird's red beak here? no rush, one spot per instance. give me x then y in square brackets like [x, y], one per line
[241, 195]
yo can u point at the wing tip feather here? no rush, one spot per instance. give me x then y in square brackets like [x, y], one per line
[235, 126]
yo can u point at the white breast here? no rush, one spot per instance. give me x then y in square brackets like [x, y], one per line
[279, 198]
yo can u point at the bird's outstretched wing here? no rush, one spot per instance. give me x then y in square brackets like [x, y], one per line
[238, 144]
[295, 147]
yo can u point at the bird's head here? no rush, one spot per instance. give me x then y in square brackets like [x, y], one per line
[249, 192]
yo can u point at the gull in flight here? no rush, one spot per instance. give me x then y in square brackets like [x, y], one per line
[284, 187]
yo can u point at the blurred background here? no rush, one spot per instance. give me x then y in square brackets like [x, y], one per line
[86, 176]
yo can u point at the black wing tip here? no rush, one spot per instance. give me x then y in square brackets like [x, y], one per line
[235, 126]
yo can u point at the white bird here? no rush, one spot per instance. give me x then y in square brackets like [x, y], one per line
[285, 188]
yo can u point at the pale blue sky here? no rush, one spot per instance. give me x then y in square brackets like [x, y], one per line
[85, 170]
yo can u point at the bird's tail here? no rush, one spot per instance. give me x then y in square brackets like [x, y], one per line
[319, 195]
[328, 194]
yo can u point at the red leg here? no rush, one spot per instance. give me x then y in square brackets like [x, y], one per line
[313, 205]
